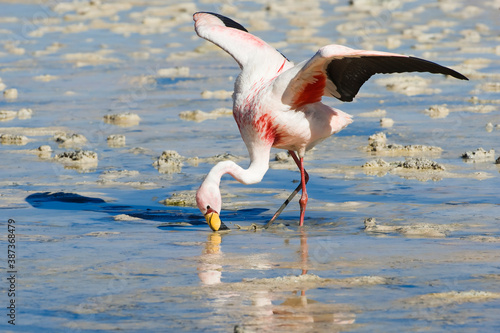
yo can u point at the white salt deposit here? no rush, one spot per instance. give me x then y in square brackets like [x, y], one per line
[12, 139]
[127, 119]
[116, 140]
[218, 94]
[10, 93]
[198, 115]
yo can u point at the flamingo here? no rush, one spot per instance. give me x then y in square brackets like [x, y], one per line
[278, 104]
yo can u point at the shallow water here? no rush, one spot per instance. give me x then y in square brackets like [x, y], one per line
[96, 250]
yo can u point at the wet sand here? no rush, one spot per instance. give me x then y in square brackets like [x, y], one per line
[112, 112]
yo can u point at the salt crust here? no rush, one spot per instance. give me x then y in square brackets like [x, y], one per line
[116, 140]
[24, 113]
[12, 139]
[65, 139]
[199, 116]
[377, 143]
[78, 159]
[479, 155]
[413, 230]
[452, 297]
[122, 119]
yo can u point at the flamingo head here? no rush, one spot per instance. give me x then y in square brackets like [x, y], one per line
[209, 203]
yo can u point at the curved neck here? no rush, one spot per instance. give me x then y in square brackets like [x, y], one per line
[254, 174]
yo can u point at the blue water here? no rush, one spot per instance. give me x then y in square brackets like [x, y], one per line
[79, 269]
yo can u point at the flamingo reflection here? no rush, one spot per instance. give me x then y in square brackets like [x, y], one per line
[299, 311]
[209, 269]
[296, 311]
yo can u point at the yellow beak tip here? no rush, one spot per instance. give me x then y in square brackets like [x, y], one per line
[213, 221]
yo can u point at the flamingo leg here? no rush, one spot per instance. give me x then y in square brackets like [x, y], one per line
[304, 197]
[298, 162]
[278, 212]
[304, 176]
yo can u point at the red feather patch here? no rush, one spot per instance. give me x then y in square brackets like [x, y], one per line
[268, 131]
[264, 125]
[312, 92]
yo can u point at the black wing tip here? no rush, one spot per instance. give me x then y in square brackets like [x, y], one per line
[227, 21]
[346, 97]
[348, 74]
[445, 71]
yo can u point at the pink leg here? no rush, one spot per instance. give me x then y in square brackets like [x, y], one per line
[297, 161]
[304, 197]
[303, 176]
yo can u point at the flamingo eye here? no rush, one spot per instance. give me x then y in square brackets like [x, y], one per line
[208, 207]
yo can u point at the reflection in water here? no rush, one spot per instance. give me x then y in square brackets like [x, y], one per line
[209, 271]
[304, 251]
[295, 312]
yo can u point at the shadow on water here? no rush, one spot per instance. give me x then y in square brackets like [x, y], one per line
[169, 217]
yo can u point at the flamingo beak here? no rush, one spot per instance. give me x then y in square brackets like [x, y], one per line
[213, 220]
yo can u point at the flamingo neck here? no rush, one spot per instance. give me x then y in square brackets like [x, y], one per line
[252, 175]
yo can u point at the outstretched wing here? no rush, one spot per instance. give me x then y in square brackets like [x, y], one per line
[339, 71]
[232, 37]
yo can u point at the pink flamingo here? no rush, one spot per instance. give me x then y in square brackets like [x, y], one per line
[278, 104]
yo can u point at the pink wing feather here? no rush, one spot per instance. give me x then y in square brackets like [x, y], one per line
[232, 37]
